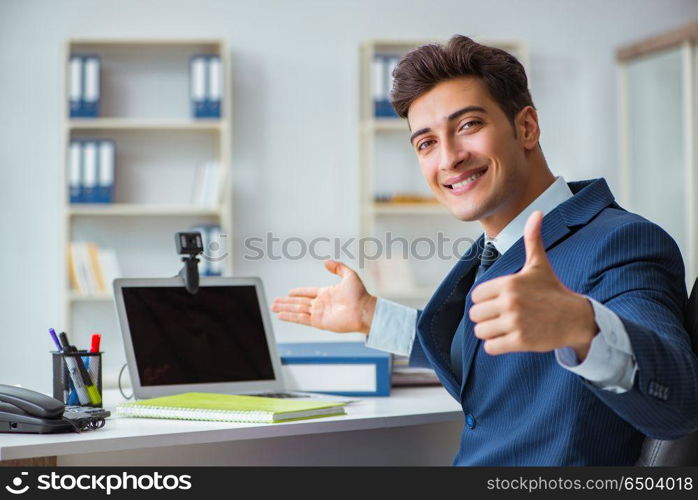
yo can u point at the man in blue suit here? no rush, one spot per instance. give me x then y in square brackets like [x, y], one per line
[560, 332]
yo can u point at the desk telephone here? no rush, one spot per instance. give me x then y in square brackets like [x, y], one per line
[26, 411]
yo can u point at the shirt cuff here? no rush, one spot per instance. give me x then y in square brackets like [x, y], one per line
[393, 328]
[610, 363]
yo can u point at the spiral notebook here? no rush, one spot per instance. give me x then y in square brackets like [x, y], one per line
[229, 408]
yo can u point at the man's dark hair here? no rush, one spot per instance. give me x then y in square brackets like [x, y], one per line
[425, 67]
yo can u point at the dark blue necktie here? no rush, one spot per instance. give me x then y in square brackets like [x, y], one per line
[489, 255]
[487, 258]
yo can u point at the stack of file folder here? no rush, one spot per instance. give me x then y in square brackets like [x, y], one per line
[84, 86]
[383, 66]
[91, 168]
[206, 84]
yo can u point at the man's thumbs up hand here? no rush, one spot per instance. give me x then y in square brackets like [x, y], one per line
[532, 310]
[533, 242]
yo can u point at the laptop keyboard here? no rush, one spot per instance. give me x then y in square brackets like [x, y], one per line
[280, 395]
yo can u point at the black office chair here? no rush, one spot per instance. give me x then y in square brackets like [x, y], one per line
[684, 451]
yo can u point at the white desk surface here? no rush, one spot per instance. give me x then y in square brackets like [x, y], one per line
[405, 406]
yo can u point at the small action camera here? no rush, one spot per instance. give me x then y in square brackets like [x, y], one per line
[189, 243]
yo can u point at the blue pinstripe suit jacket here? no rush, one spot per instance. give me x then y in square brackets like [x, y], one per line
[525, 409]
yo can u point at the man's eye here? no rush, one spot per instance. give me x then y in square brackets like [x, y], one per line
[423, 145]
[471, 124]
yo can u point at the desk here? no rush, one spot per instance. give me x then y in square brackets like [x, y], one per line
[414, 426]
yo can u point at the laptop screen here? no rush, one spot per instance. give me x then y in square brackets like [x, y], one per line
[216, 335]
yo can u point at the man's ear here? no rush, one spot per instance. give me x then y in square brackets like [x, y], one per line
[527, 128]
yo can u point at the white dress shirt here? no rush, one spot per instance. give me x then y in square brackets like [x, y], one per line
[610, 363]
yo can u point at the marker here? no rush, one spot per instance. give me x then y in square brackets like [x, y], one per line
[74, 370]
[96, 339]
[94, 347]
[89, 388]
[92, 362]
[72, 399]
[92, 391]
[91, 378]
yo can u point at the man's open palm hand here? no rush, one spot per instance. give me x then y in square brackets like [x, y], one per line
[344, 307]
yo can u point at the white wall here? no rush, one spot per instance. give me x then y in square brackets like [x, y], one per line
[295, 121]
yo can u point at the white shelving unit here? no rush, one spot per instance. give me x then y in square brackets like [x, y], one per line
[142, 209]
[146, 111]
[387, 158]
[142, 124]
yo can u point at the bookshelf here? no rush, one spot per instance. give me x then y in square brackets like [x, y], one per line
[142, 124]
[145, 109]
[389, 167]
[142, 209]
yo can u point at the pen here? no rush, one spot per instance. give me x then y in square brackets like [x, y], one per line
[52, 332]
[70, 393]
[74, 370]
[66, 386]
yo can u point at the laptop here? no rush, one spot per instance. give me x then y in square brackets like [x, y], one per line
[218, 340]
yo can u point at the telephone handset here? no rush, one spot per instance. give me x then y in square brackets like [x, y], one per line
[23, 410]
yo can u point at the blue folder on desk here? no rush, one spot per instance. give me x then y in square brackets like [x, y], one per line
[342, 368]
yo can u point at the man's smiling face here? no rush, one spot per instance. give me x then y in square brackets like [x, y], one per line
[468, 150]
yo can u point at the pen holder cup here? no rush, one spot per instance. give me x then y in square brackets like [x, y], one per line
[69, 384]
